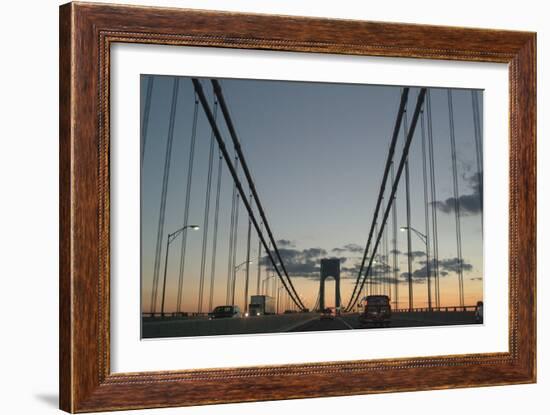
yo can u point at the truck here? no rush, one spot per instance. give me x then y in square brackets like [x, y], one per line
[261, 305]
[377, 311]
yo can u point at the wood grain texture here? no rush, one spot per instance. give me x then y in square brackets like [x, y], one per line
[86, 33]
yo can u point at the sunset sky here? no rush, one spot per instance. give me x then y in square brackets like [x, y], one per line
[317, 153]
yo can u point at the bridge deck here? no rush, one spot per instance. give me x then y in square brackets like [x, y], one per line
[178, 327]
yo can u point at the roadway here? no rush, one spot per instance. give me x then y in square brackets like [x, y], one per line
[420, 319]
[157, 327]
[295, 322]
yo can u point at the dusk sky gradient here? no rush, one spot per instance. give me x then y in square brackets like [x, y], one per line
[317, 153]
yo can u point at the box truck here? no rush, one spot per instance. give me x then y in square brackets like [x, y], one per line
[261, 305]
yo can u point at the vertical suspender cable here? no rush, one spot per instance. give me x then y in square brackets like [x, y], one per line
[206, 213]
[315, 307]
[394, 244]
[456, 199]
[386, 260]
[383, 258]
[404, 156]
[215, 234]
[433, 196]
[146, 112]
[266, 279]
[479, 150]
[365, 292]
[389, 159]
[374, 274]
[248, 233]
[186, 208]
[238, 149]
[166, 175]
[231, 231]
[408, 211]
[259, 262]
[235, 240]
[426, 210]
[232, 170]
[368, 276]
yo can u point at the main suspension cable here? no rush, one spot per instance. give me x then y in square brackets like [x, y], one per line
[419, 103]
[389, 159]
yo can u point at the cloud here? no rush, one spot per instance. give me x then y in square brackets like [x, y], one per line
[453, 264]
[285, 243]
[446, 266]
[386, 280]
[415, 254]
[299, 263]
[353, 248]
[469, 204]
[379, 269]
[349, 272]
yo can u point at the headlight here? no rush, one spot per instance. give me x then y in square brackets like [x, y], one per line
[246, 314]
[257, 314]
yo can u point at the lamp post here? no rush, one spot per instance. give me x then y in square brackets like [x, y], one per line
[235, 269]
[424, 239]
[169, 240]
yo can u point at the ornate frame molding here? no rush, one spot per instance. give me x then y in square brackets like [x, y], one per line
[86, 33]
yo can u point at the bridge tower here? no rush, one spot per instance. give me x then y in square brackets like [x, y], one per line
[329, 268]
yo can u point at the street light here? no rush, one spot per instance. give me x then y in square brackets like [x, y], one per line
[235, 269]
[242, 263]
[169, 240]
[424, 239]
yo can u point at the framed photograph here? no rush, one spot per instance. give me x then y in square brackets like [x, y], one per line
[258, 207]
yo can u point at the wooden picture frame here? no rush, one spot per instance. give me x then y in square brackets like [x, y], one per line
[86, 33]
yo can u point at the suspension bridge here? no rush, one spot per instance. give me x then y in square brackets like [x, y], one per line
[265, 271]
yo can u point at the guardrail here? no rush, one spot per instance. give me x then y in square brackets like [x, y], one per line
[438, 309]
[175, 314]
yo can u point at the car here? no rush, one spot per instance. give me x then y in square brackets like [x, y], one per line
[377, 311]
[225, 311]
[327, 314]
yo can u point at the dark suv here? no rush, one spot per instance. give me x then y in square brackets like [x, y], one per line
[377, 311]
[225, 311]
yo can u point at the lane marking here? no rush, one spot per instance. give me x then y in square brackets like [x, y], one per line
[346, 323]
[299, 324]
